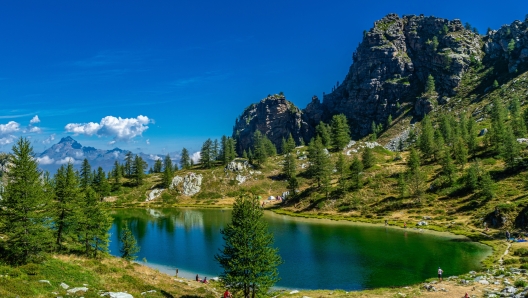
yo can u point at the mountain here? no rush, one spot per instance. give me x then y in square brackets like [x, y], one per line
[69, 150]
[388, 74]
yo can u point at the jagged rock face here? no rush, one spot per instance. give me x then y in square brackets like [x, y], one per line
[497, 44]
[392, 63]
[275, 117]
[191, 184]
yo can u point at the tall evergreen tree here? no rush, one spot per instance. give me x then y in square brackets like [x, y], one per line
[24, 225]
[367, 158]
[461, 152]
[116, 175]
[487, 186]
[248, 260]
[472, 177]
[356, 168]
[100, 184]
[138, 170]
[93, 224]
[67, 198]
[289, 168]
[430, 85]
[322, 130]
[341, 171]
[509, 148]
[320, 166]
[215, 150]
[259, 152]
[129, 160]
[129, 247]
[472, 136]
[340, 131]
[497, 129]
[288, 145]
[448, 168]
[185, 160]
[517, 122]
[438, 144]
[426, 139]
[86, 174]
[158, 165]
[206, 155]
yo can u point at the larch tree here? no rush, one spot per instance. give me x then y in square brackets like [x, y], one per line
[322, 130]
[426, 139]
[86, 174]
[355, 172]
[248, 258]
[129, 160]
[367, 158]
[341, 168]
[129, 247]
[67, 198]
[185, 160]
[24, 224]
[340, 131]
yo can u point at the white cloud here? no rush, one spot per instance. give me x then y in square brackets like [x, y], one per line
[35, 129]
[154, 157]
[45, 160]
[34, 120]
[7, 140]
[49, 140]
[121, 129]
[148, 141]
[196, 157]
[8, 128]
[67, 160]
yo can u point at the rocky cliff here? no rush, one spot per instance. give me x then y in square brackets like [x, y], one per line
[388, 74]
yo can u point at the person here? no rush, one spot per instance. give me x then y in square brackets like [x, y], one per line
[197, 277]
[440, 272]
[205, 280]
[508, 236]
[227, 294]
[405, 225]
[466, 296]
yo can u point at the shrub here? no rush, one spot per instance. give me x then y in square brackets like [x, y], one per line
[520, 283]
[522, 252]
[30, 269]
[524, 266]
[509, 261]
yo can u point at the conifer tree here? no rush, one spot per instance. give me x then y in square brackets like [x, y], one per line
[248, 259]
[341, 171]
[517, 122]
[323, 132]
[129, 247]
[340, 132]
[439, 145]
[100, 183]
[448, 168]
[446, 129]
[402, 185]
[138, 170]
[288, 145]
[463, 127]
[86, 174]
[426, 139]
[259, 152]
[244, 154]
[215, 150]
[389, 121]
[367, 158]
[185, 160]
[129, 159]
[472, 177]
[430, 85]
[374, 131]
[472, 136]
[289, 168]
[116, 175]
[509, 148]
[486, 185]
[93, 224]
[166, 178]
[158, 165]
[67, 198]
[23, 224]
[271, 150]
[356, 168]
[461, 152]
[320, 167]
[206, 155]
[497, 129]
[415, 175]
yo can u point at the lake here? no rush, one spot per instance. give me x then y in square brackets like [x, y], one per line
[317, 254]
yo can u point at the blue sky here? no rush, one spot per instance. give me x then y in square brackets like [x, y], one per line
[156, 76]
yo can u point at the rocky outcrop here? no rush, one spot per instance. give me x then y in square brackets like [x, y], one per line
[275, 117]
[388, 74]
[510, 44]
[190, 184]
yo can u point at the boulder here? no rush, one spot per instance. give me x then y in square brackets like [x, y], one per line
[154, 194]
[77, 289]
[191, 184]
[483, 132]
[64, 286]
[117, 295]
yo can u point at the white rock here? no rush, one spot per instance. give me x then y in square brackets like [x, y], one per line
[484, 282]
[294, 292]
[64, 286]
[45, 281]
[154, 194]
[117, 295]
[79, 289]
[191, 183]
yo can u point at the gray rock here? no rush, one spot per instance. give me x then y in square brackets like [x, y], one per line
[483, 132]
[64, 286]
[45, 281]
[78, 289]
[154, 194]
[117, 295]
[191, 184]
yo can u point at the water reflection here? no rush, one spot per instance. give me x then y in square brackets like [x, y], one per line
[316, 254]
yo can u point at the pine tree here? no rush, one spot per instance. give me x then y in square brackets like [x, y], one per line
[206, 155]
[355, 176]
[323, 132]
[248, 260]
[373, 131]
[320, 166]
[517, 122]
[389, 121]
[93, 224]
[100, 183]
[86, 174]
[185, 160]
[288, 145]
[472, 176]
[448, 168]
[138, 170]
[439, 145]
[426, 139]
[430, 88]
[341, 171]
[167, 176]
[367, 158]
[116, 175]
[215, 150]
[128, 164]
[23, 223]
[414, 161]
[472, 136]
[461, 152]
[158, 165]
[129, 247]
[415, 175]
[497, 129]
[446, 129]
[244, 154]
[486, 185]
[271, 150]
[509, 148]
[259, 152]
[340, 132]
[289, 168]
[67, 196]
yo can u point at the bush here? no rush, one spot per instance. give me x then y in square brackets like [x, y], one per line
[524, 266]
[509, 261]
[523, 260]
[520, 283]
[522, 252]
[30, 269]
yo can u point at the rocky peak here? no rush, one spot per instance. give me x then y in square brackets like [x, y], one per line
[275, 117]
[69, 141]
[509, 44]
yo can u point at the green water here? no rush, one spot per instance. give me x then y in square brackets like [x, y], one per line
[318, 254]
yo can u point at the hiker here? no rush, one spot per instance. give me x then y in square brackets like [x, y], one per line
[197, 277]
[227, 294]
[508, 236]
[205, 280]
[440, 272]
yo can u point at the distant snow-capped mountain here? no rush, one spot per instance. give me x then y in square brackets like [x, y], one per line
[69, 150]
